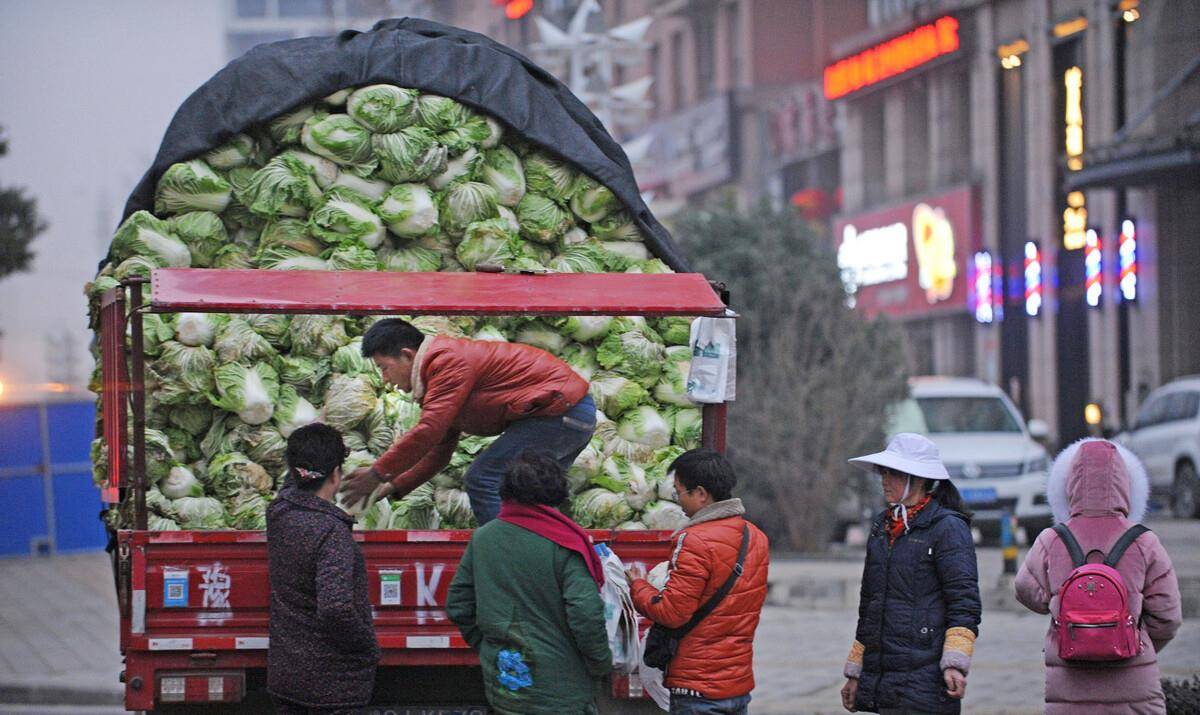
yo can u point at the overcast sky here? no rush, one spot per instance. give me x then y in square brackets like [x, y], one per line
[87, 89]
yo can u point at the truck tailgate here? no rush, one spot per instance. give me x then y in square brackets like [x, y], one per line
[199, 600]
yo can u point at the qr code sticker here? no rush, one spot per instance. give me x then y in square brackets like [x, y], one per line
[175, 591]
[391, 592]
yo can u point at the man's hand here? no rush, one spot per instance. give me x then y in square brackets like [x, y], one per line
[849, 693]
[956, 683]
[359, 484]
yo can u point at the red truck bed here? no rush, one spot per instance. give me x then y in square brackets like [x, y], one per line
[194, 604]
[197, 605]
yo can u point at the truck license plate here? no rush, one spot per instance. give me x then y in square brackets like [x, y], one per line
[979, 496]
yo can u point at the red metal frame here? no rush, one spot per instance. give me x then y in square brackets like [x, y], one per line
[115, 390]
[156, 637]
[243, 291]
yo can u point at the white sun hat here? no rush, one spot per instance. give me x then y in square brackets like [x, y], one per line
[909, 453]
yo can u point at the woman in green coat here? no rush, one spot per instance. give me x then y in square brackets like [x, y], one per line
[527, 597]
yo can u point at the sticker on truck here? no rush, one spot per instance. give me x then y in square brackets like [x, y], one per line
[175, 588]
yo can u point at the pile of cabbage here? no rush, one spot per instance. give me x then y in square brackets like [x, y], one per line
[384, 178]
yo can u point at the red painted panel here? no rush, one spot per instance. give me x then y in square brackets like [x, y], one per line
[185, 289]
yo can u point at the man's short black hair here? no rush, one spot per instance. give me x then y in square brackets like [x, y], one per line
[316, 447]
[535, 478]
[706, 468]
[389, 336]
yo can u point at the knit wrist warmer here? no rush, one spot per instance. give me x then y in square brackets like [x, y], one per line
[854, 661]
[958, 649]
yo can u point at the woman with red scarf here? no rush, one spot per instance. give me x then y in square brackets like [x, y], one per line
[527, 597]
[919, 608]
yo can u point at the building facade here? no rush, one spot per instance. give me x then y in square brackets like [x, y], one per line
[1043, 156]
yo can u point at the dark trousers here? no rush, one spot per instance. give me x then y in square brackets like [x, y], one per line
[691, 705]
[562, 437]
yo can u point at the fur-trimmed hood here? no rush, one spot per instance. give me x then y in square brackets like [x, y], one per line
[1097, 481]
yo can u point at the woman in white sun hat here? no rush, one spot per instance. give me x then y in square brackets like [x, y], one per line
[918, 611]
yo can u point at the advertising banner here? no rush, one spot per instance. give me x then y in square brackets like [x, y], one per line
[910, 259]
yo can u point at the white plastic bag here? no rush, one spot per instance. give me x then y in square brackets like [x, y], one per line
[652, 682]
[713, 374]
[620, 618]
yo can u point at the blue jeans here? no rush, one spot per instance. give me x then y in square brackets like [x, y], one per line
[562, 437]
[691, 705]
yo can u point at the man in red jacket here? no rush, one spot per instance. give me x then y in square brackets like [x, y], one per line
[712, 673]
[530, 398]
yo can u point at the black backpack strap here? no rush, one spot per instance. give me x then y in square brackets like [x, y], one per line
[722, 592]
[1123, 543]
[1073, 548]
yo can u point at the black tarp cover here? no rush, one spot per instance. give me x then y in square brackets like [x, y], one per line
[274, 78]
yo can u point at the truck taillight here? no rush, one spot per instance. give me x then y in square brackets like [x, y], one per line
[201, 687]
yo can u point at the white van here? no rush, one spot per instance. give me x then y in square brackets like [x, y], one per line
[992, 455]
[1166, 437]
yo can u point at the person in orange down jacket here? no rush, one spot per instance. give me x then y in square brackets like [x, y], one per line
[712, 673]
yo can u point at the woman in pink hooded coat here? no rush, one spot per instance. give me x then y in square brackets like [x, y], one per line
[1100, 490]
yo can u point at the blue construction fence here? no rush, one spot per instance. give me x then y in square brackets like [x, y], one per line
[48, 503]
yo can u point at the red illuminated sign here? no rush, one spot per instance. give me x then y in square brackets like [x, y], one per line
[894, 57]
[913, 258]
[514, 9]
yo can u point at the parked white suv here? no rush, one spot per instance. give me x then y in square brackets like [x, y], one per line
[991, 454]
[1166, 437]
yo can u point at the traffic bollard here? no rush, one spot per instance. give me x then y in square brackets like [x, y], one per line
[1008, 542]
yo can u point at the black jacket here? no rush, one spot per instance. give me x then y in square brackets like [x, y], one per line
[323, 650]
[911, 593]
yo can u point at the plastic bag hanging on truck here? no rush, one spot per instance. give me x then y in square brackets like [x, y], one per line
[620, 618]
[713, 374]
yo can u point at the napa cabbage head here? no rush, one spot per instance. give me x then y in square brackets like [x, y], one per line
[202, 232]
[191, 186]
[383, 108]
[340, 139]
[409, 155]
[250, 392]
[348, 400]
[238, 151]
[200, 513]
[286, 186]
[409, 210]
[503, 171]
[346, 216]
[144, 235]
[541, 219]
[599, 508]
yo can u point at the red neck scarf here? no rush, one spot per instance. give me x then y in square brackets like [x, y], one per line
[895, 526]
[552, 524]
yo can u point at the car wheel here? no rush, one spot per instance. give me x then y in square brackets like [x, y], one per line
[1185, 496]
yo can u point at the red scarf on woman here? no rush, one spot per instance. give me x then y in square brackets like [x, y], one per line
[896, 526]
[552, 524]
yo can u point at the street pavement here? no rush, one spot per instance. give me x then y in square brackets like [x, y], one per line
[59, 654]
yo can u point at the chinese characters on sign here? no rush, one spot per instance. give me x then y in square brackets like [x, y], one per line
[894, 57]
[1075, 214]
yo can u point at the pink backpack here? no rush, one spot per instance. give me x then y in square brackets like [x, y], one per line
[1094, 623]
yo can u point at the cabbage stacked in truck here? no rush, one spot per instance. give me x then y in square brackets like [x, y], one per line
[384, 178]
